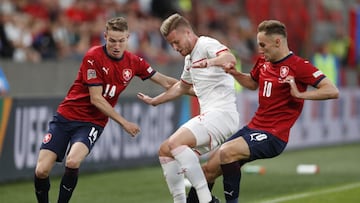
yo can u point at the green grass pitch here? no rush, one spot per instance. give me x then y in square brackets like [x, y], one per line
[338, 181]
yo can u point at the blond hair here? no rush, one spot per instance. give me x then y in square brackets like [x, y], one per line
[172, 23]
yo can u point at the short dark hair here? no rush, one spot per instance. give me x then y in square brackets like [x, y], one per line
[173, 22]
[272, 27]
[117, 24]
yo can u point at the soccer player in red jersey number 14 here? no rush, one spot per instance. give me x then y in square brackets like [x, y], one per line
[104, 73]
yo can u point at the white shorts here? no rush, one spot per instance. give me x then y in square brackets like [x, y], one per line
[212, 128]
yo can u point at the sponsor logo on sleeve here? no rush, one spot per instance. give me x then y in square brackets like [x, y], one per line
[149, 70]
[91, 73]
[317, 73]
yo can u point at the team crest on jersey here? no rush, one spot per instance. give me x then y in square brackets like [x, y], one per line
[284, 71]
[127, 74]
[91, 73]
[47, 138]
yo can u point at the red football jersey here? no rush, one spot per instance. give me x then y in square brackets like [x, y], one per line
[114, 75]
[278, 110]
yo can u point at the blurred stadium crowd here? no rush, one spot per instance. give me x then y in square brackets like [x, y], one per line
[38, 30]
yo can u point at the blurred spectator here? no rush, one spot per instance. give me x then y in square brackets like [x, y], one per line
[36, 30]
[6, 47]
[62, 36]
[339, 45]
[18, 31]
[327, 62]
[43, 13]
[164, 8]
[4, 84]
[43, 40]
[80, 17]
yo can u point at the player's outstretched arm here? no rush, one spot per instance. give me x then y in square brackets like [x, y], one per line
[244, 79]
[145, 98]
[324, 90]
[178, 89]
[225, 59]
[100, 102]
[163, 80]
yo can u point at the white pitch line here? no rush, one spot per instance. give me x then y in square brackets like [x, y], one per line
[309, 194]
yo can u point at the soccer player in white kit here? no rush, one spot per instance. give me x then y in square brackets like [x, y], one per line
[218, 118]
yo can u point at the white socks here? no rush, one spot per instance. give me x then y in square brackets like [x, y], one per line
[174, 179]
[186, 163]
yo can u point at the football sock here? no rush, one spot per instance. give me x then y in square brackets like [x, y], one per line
[68, 184]
[231, 181]
[192, 196]
[174, 178]
[42, 187]
[190, 165]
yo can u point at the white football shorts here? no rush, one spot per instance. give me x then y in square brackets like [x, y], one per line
[212, 128]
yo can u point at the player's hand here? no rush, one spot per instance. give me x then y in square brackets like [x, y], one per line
[230, 69]
[294, 91]
[228, 66]
[289, 79]
[145, 98]
[132, 128]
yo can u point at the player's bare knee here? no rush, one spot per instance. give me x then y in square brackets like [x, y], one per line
[72, 163]
[172, 145]
[225, 155]
[42, 172]
[164, 150]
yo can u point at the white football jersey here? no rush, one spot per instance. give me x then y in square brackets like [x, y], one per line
[213, 87]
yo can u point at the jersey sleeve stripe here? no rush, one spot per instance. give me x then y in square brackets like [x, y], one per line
[149, 75]
[186, 82]
[199, 60]
[217, 53]
[93, 84]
